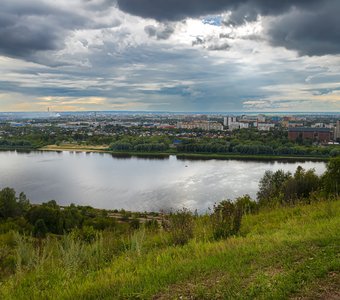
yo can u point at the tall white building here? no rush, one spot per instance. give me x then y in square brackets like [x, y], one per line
[229, 120]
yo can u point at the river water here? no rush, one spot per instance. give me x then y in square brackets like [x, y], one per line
[137, 184]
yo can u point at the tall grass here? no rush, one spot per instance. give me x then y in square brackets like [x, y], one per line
[275, 255]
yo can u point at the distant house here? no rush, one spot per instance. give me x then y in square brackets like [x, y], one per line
[322, 135]
[265, 126]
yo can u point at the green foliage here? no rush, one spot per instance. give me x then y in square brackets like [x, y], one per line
[40, 229]
[50, 216]
[246, 205]
[86, 234]
[10, 206]
[279, 188]
[141, 144]
[300, 186]
[137, 240]
[151, 224]
[270, 186]
[100, 223]
[226, 219]
[23, 204]
[181, 226]
[134, 223]
[250, 266]
[331, 178]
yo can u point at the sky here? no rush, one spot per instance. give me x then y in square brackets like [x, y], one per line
[170, 55]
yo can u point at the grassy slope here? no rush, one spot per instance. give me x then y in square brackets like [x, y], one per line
[279, 254]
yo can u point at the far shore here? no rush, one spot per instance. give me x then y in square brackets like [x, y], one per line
[79, 148]
[105, 149]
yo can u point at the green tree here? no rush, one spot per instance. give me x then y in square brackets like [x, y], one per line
[331, 178]
[8, 204]
[40, 229]
[52, 218]
[23, 203]
[270, 187]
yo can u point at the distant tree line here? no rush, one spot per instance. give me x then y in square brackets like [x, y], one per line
[15, 143]
[254, 148]
[141, 144]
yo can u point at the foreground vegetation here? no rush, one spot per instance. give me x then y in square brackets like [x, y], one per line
[284, 245]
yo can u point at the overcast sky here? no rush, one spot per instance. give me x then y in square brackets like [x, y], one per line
[170, 55]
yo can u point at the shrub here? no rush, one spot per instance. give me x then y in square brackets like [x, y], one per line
[181, 226]
[226, 219]
[86, 234]
[246, 205]
[134, 223]
[40, 229]
[151, 224]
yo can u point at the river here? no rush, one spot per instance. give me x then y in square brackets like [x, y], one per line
[138, 184]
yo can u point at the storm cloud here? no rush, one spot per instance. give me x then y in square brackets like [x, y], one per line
[30, 26]
[309, 32]
[178, 9]
[311, 27]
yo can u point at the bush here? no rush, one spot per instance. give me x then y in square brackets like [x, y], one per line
[86, 234]
[226, 219]
[151, 224]
[134, 223]
[246, 205]
[181, 226]
[40, 229]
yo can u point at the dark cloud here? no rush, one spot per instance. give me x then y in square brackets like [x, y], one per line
[198, 41]
[211, 44]
[30, 26]
[308, 32]
[170, 9]
[311, 27]
[179, 9]
[20, 39]
[162, 32]
[219, 47]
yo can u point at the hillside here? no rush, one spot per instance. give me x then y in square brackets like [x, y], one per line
[282, 253]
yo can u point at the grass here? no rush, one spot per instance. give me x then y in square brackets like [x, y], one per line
[279, 254]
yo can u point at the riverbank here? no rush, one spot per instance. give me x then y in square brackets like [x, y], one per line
[180, 155]
[73, 147]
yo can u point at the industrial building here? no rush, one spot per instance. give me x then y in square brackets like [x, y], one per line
[322, 135]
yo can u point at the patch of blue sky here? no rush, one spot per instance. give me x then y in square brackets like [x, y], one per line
[212, 20]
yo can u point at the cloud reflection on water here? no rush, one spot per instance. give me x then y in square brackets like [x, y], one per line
[137, 184]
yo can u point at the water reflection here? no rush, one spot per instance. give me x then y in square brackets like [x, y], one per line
[134, 183]
[143, 156]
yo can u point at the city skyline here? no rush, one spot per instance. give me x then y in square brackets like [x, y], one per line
[138, 55]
